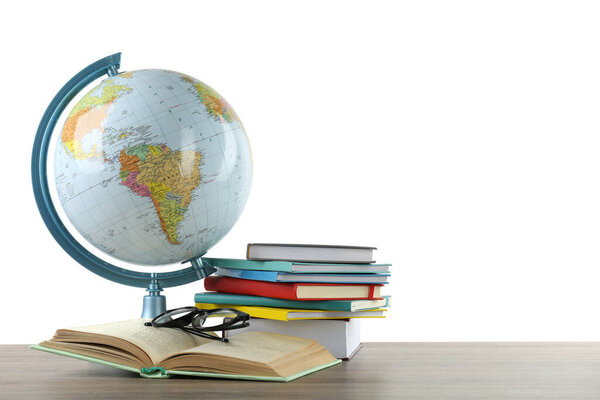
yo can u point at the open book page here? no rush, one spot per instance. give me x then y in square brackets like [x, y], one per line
[158, 343]
[262, 347]
[253, 353]
[136, 359]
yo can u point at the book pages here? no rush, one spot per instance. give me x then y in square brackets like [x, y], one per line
[158, 343]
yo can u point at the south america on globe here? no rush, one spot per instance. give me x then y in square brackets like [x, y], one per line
[153, 167]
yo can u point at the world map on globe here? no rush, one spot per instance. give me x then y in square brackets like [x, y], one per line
[153, 167]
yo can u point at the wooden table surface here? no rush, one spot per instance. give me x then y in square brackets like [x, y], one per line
[379, 371]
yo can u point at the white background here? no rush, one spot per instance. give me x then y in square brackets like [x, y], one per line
[460, 138]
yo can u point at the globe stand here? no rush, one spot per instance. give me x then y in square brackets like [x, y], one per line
[154, 303]
[202, 268]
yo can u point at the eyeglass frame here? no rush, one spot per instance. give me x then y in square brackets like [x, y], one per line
[196, 317]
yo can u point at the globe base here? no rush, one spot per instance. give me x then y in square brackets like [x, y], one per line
[154, 305]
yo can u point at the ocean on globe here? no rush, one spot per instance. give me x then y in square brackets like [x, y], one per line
[153, 167]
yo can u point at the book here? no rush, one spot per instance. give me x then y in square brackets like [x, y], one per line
[324, 305]
[310, 253]
[275, 276]
[162, 352]
[293, 291]
[290, 314]
[340, 337]
[297, 267]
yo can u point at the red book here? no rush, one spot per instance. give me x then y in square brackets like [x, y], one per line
[292, 291]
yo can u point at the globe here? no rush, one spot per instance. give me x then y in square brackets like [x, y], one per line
[152, 167]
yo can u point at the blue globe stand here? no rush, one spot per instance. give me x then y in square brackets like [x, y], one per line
[154, 303]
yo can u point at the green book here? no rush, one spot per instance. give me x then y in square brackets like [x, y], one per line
[297, 267]
[162, 352]
[326, 305]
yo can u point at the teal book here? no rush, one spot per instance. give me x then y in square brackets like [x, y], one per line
[325, 305]
[275, 276]
[297, 267]
[162, 352]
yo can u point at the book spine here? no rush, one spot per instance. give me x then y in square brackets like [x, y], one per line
[154, 372]
[249, 287]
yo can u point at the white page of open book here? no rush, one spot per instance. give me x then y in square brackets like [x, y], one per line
[158, 343]
[261, 347]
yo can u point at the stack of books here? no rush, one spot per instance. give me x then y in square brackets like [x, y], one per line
[312, 291]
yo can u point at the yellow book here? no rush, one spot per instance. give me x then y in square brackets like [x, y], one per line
[290, 314]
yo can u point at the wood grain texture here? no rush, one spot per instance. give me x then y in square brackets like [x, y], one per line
[378, 371]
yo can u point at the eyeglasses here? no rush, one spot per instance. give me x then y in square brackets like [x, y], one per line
[183, 317]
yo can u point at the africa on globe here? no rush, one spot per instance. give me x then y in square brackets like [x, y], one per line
[153, 167]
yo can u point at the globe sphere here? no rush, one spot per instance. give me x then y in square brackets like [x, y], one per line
[153, 167]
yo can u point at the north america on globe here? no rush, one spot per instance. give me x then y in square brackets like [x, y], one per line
[153, 167]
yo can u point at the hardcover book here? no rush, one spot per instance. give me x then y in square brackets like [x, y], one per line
[274, 276]
[293, 291]
[325, 305]
[298, 267]
[340, 337]
[161, 352]
[310, 253]
[284, 314]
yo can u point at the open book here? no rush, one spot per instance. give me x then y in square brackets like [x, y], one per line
[160, 352]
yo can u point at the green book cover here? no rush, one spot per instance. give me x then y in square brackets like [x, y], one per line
[325, 305]
[161, 352]
[157, 372]
[297, 267]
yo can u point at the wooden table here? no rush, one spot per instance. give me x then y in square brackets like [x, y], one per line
[379, 371]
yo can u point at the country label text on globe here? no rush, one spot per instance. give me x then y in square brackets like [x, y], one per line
[153, 167]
